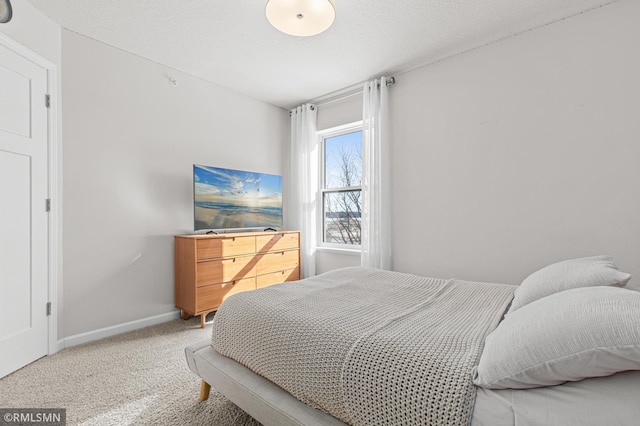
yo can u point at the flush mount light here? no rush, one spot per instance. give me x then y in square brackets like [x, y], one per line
[5, 11]
[301, 17]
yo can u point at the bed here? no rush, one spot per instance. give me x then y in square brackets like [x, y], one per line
[362, 346]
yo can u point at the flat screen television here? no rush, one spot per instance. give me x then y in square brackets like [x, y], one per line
[235, 199]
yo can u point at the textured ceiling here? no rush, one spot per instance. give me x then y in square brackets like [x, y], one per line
[231, 43]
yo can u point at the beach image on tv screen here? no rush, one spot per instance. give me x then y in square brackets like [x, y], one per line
[225, 198]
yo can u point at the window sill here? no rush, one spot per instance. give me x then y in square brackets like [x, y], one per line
[336, 250]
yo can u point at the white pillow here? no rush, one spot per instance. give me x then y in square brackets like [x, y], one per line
[584, 272]
[568, 336]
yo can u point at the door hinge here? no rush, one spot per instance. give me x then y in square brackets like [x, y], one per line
[47, 206]
[47, 100]
[48, 308]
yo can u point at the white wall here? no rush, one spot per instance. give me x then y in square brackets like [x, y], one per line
[131, 139]
[521, 153]
[518, 154]
[337, 113]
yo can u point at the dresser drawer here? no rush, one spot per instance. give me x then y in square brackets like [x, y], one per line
[277, 242]
[224, 270]
[278, 261]
[211, 296]
[277, 277]
[212, 248]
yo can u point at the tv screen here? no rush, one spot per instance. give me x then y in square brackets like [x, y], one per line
[235, 199]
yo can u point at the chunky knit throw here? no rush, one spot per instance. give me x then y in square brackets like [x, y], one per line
[369, 347]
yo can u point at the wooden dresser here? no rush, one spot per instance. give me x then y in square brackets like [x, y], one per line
[209, 268]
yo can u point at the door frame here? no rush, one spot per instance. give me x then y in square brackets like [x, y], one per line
[54, 189]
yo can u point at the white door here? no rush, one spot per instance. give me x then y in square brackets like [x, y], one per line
[23, 218]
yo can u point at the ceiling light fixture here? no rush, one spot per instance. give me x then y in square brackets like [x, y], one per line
[301, 17]
[5, 11]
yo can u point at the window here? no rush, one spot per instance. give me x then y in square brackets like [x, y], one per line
[340, 185]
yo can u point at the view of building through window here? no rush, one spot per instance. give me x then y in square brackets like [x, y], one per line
[341, 188]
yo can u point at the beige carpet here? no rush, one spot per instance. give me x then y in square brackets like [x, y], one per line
[137, 378]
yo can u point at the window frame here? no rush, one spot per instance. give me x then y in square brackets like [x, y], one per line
[322, 135]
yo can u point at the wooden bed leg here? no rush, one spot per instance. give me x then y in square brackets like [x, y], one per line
[202, 318]
[204, 391]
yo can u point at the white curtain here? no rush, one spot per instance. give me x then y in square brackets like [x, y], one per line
[304, 183]
[376, 210]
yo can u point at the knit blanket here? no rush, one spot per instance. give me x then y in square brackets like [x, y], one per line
[369, 347]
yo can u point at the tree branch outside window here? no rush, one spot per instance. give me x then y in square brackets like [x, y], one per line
[342, 191]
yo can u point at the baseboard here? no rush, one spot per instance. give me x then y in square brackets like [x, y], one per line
[101, 333]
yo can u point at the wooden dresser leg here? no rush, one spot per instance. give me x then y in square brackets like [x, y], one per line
[202, 318]
[185, 315]
[204, 391]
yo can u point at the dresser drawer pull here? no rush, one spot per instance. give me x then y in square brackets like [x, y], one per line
[228, 260]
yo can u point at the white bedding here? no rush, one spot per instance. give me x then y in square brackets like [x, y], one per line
[611, 400]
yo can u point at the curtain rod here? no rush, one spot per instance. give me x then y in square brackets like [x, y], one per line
[343, 94]
[346, 93]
